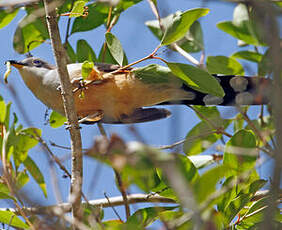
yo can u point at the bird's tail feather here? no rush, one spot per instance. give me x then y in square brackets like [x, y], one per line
[239, 90]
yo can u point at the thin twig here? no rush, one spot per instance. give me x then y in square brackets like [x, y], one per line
[267, 18]
[214, 126]
[186, 55]
[118, 177]
[68, 25]
[123, 193]
[70, 111]
[256, 131]
[113, 208]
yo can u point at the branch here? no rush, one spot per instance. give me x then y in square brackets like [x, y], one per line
[69, 106]
[268, 21]
[105, 203]
[186, 55]
[118, 178]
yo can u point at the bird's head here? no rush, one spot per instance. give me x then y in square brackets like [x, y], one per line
[32, 67]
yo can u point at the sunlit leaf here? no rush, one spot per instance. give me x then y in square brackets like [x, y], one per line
[78, 9]
[6, 17]
[206, 184]
[30, 33]
[156, 74]
[197, 78]
[115, 47]
[36, 174]
[146, 216]
[181, 24]
[2, 110]
[224, 65]
[248, 55]
[241, 32]
[187, 168]
[56, 120]
[86, 69]
[191, 42]
[22, 179]
[9, 218]
[106, 57]
[97, 15]
[240, 152]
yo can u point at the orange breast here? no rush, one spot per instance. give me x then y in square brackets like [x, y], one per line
[122, 95]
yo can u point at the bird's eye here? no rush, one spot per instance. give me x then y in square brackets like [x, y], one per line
[37, 63]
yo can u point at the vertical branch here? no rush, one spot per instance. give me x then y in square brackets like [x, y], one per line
[69, 106]
[266, 17]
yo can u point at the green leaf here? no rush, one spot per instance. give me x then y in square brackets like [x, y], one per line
[9, 218]
[209, 112]
[191, 42]
[28, 138]
[115, 47]
[36, 174]
[29, 35]
[156, 74]
[265, 66]
[248, 55]
[142, 172]
[187, 168]
[22, 142]
[2, 110]
[197, 78]
[146, 216]
[181, 24]
[200, 138]
[97, 15]
[7, 16]
[106, 57]
[123, 5]
[70, 52]
[31, 31]
[86, 69]
[236, 205]
[6, 196]
[78, 9]
[224, 65]
[206, 184]
[240, 152]
[56, 120]
[84, 52]
[22, 179]
[241, 32]
[7, 118]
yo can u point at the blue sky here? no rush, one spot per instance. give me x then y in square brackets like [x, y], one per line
[137, 42]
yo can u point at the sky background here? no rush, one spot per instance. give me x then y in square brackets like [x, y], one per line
[137, 42]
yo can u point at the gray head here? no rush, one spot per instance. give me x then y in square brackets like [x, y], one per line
[32, 62]
[42, 79]
[32, 69]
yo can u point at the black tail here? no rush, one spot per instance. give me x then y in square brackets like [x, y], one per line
[239, 90]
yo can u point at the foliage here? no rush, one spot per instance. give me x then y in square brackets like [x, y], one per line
[219, 189]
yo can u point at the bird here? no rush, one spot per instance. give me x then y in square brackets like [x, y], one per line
[123, 96]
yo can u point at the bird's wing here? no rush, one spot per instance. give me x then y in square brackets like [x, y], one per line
[138, 116]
